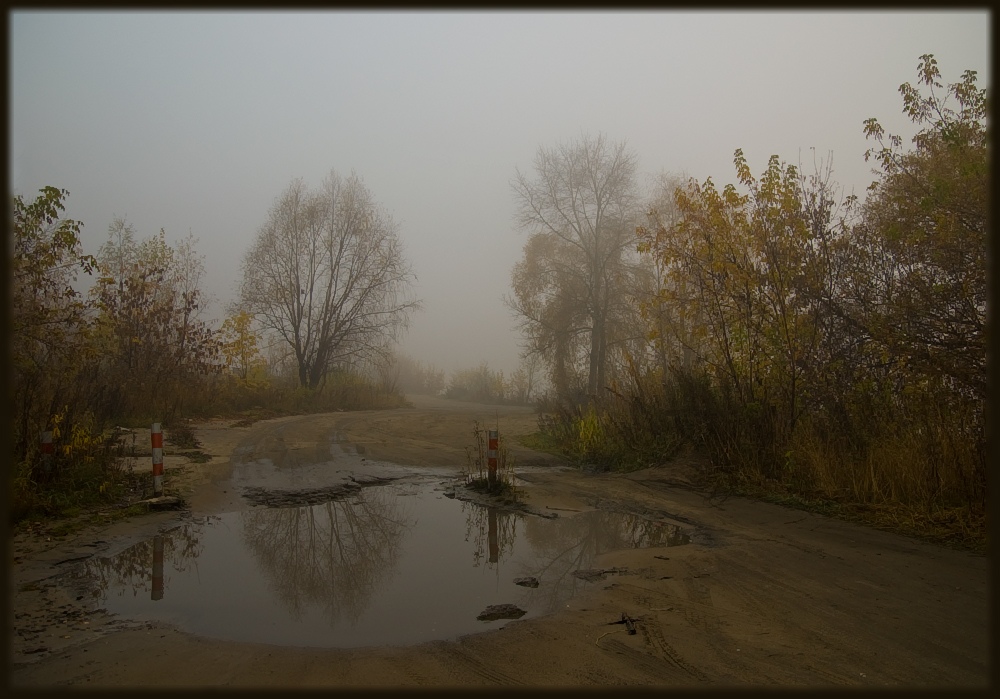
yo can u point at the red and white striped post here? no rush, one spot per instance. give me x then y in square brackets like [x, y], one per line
[491, 456]
[47, 450]
[157, 437]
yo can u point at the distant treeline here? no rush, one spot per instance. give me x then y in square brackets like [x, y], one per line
[480, 384]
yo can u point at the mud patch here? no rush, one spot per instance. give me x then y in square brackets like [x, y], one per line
[461, 491]
[305, 497]
[598, 574]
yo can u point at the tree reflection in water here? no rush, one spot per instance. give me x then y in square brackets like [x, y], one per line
[331, 565]
[334, 556]
[133, 569]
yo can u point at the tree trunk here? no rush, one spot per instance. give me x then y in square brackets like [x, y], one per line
[596, 343]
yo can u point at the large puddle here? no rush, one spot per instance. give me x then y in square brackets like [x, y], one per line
[384, 565]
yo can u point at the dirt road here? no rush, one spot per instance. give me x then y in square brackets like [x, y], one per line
[761, 596]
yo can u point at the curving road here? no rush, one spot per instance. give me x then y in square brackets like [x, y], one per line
[761, 596]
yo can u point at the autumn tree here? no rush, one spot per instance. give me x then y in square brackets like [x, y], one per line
[916, 279]
[48, 322]
[843, 342]
[153, 343]
[240, 346]
[668, 311]
[742, 275]
[326, 273]
[579, 207]
[927, 217]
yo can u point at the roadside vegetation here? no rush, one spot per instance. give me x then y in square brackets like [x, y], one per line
[820, 350]
[136, 347]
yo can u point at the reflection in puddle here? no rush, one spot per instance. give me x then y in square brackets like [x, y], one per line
[391, 565]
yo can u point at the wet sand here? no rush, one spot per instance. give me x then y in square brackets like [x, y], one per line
[762, 596]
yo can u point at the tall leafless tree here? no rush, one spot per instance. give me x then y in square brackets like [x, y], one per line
[327, 274]
[580, 206]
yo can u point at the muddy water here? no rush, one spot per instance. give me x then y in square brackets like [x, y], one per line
[385, 565]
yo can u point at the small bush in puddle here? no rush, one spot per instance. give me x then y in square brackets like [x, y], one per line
[477, 465]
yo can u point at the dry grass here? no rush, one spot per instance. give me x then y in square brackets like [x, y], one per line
[915, 466]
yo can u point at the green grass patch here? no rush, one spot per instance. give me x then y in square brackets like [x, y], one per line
[543, 442]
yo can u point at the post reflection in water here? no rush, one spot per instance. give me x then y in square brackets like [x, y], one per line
[129, 571]
[491, 531]
[335, 556]
[157, 593]
[494, 545]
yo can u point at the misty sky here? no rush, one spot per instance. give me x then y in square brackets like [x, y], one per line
[196, 121]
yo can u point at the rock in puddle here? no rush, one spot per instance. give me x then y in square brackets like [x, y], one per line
[526, 582]
[501, 611]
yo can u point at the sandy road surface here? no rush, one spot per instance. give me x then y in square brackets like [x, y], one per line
[762, 596]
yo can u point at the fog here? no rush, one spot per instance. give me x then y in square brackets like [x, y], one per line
[195, 122]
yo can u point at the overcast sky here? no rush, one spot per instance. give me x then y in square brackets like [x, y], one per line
[196, 122]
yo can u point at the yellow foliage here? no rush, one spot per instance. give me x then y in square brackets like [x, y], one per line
[589, 429]
[239, 347]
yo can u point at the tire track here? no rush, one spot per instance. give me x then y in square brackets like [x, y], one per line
[477, 667]
[693, 611]
[417, 676]
[653, 635]
[655, 666]
[703, 615]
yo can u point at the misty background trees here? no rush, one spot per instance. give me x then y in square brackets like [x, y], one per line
[579, 206]
[326, 273]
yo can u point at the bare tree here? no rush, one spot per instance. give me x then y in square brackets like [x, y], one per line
[327, 274]
[580, 206]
